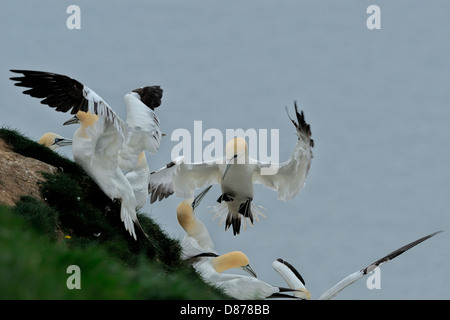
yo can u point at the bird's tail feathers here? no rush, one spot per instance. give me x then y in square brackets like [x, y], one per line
[128, 217]
[223, 213]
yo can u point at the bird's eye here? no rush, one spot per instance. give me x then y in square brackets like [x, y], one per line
[235, 156]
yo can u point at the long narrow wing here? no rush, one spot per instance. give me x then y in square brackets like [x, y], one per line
[66, 94]
[161, 184]
[333, 291]
[292, 278]
[291, 175]
[142, 124]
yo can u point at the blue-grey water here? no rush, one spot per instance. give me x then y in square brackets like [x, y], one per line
[378, 102]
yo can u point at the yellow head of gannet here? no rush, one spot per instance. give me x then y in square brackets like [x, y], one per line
[236, 148]
[186, 210]
[86, 119]
[230, 260]
[197, 239]
[54, 141]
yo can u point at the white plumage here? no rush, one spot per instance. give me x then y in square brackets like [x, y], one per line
[236, 173]
[53, 140]
[105, 144]
[198, 247]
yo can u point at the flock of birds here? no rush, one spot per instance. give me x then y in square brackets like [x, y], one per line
[113, 153]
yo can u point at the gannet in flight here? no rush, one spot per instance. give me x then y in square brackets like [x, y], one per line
[333, 291]
[138, 177]
[236, 173]
[140, 131]
[98, 142]
[54, 141]
[198, 247]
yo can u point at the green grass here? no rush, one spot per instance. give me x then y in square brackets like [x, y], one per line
[78, 225]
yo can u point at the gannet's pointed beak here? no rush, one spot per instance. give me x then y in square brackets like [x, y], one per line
[199, 198]
[73, 120]
[228, 166]
[249, 269]
[62, 142]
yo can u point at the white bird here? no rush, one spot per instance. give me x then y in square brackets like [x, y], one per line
[333, 291]
[95, 147]
[211, 269]
[54, 141]
[236, 173]
[198, 247]
[197, 239]
[139, 179]
[98, 142]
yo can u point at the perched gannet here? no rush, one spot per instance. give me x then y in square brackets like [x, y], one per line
[236, 173]
[242, 287]
[54, 141]
[102, 135]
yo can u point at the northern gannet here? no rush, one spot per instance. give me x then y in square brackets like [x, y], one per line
[236, 173]
[96, 145]
[242, 287]
[197, 239]
[54, 141]
[338, 287]
[198, 248]
[138, 177]
[295, 283]
[140, 130]
[98, 142]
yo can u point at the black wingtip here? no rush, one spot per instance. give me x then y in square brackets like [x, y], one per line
[301, 124]
[398, 252]
[295, 271]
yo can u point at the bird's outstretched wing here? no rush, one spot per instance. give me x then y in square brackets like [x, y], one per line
[182, 178]
[66, 94]
[292, 278]
[160, 185]
[333, 291]
[289, 177]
